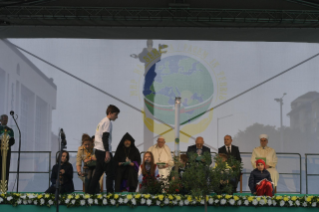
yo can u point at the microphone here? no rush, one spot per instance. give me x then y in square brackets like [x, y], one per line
[11, 112]
[63, 141]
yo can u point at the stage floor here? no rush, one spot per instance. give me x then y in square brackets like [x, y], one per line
[33, 208]
[240, 202]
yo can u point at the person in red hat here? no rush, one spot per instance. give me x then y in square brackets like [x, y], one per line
[260, 182]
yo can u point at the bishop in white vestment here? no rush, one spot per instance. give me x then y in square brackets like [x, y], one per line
[162, 155]
[269, 154]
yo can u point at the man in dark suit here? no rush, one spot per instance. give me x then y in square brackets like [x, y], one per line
[231, 150]
[199, 149]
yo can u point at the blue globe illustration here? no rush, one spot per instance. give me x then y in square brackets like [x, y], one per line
[178, 76]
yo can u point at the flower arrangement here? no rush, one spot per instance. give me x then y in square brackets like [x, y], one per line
[73, 200]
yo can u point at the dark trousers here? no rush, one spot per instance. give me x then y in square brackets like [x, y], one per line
[101, 167]
[88, 179]
[128, 173]
[235, 182]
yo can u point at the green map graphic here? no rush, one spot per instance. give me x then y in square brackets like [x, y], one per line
[177, 76]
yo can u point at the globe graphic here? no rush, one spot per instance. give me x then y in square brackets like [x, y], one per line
[178, 76]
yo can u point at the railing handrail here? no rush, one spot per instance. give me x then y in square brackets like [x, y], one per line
[278, 153]
[285, 153]
[31, 152]
[35, 172]
[306, 168]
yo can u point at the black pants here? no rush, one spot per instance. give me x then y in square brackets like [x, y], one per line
[126, 173]
[88, 179]
[101, 167]
[235, 182]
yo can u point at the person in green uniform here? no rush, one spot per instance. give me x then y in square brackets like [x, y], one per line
[6, 140]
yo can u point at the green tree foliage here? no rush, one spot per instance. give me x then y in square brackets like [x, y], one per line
[223, 174]
[199, 179]
[196, 176]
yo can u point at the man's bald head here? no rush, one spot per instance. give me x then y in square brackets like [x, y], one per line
[228, 140]
[4, 119]
[199, 142]
[160, 142]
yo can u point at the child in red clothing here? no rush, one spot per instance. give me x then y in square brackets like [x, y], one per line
[260, 182]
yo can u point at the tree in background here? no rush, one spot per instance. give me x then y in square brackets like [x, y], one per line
[293, 139]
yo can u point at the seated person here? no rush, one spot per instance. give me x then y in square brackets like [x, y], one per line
[147, 169]
[260, 182]
[86, 155]
[200, 150]
[224, 158]
[233, 181]
[181, 166]
[269, 155]
[127, 160]
[162, 157]
[65, 176]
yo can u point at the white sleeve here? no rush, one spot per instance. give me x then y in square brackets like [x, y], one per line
[253, 159]
[274, 159]
[156, 171]
[106, 127]
[140, 175]
[170, 159]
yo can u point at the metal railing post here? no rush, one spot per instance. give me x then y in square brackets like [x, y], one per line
[306, 168]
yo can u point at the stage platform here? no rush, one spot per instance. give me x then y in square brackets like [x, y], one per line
[33, 208]
[36, 202]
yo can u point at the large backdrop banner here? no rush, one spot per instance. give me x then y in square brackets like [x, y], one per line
[227, 88]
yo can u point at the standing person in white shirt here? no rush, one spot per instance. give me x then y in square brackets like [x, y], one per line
[103, 150]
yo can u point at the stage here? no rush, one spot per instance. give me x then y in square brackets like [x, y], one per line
[144, 202]
[32, 208]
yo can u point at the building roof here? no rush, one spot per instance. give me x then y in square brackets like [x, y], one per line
[36, 69]
[303, 101]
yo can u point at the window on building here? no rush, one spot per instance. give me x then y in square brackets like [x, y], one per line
[2, 91]
[41, 125]
[27, 118]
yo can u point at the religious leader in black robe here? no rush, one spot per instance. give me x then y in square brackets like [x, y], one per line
[127, 160]
[6, 135]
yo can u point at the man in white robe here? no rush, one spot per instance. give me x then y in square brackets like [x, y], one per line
[162, 154]
[263, 151]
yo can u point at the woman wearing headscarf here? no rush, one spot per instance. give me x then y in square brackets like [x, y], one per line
[127, 160]
[65, 175]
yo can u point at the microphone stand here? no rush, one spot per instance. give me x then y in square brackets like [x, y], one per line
[18, 169]
[57, 183]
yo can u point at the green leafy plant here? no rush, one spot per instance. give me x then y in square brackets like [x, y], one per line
[223, 174]
[175, 187]
[152, 184]
[200, 179]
